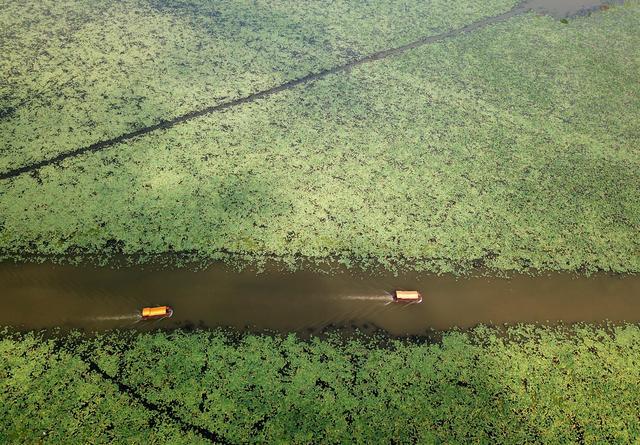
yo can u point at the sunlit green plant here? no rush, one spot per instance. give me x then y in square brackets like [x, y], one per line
[525, 384]
[510, 148]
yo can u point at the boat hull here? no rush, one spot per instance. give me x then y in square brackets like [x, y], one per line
[407, 296]
[155, 313]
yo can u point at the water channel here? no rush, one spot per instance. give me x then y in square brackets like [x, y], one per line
[39, 296]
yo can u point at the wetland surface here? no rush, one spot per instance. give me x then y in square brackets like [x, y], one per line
[438, 136]
[435, 136]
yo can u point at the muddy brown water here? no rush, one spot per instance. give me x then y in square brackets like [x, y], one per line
[39, 296]
[567, 8]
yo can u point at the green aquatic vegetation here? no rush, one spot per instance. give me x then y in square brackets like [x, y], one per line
[49, 395]
[73, 73]
[510, 148]
[521, 385]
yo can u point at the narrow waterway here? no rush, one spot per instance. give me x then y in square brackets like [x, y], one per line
[38, 296]
[568, 8]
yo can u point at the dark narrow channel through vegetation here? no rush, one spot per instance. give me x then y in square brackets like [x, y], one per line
[557, 8]
[379, 55]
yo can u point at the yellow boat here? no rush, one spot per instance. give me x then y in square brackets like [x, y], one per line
[151, 313]
[407, 296]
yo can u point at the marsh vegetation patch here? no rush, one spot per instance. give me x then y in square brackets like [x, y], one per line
[525, 385]
[88, 72]
[512, 147]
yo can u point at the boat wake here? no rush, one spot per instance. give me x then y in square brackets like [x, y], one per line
[385, 297]
[133, 317]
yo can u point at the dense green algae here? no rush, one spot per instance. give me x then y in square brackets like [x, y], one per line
[75, 72]
[513, 147]
[525, 385]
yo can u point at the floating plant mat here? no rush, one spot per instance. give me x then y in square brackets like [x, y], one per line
[526, 385]
[45, 296]
[76, 72]
[513, 147]
[129, 110]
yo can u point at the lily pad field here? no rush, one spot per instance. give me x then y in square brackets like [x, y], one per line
[444, 140]
[525, 385]
[432, 135]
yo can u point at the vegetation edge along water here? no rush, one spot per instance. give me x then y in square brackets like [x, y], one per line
[525, 384]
